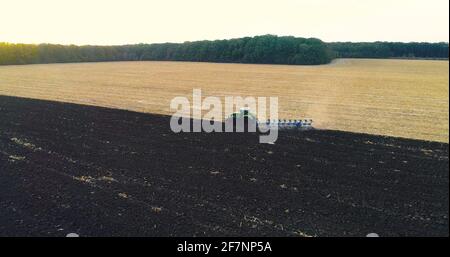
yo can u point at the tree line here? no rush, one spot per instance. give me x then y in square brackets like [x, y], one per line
[260, 49]
[267, 49]
[390, 50]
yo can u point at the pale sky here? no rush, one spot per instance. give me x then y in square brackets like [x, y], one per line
[112, 22]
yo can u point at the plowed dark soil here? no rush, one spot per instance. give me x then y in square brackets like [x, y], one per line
[104, 172]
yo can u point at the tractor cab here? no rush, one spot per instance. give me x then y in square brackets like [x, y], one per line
[244, 113]
[243, 120]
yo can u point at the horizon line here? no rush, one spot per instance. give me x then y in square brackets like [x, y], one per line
[200, 40]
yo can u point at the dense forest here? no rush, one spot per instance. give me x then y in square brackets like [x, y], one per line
[390, 50]
[260, 49]
[268, 49]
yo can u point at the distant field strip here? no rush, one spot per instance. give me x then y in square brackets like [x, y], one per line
[405, 98]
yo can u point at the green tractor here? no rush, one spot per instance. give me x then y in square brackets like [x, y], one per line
[244, 113]
[243, 120]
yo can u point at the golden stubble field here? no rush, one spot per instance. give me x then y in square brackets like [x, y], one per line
[405, 98]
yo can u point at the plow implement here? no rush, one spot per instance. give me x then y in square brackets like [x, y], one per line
[287, 124]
